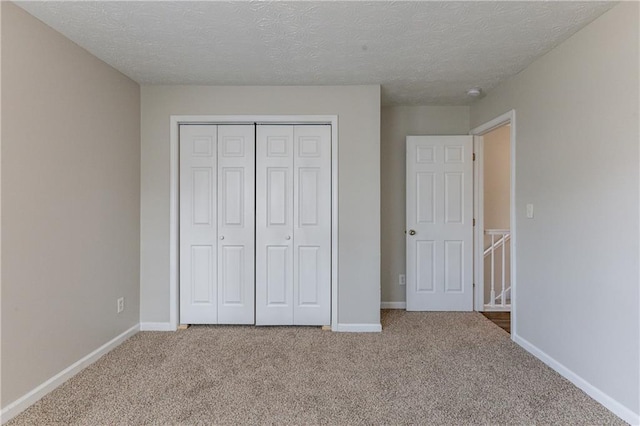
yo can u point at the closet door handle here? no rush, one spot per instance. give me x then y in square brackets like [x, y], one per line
[288, 237]
[222, 237]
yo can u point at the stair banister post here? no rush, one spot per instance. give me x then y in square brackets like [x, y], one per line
[493, 280]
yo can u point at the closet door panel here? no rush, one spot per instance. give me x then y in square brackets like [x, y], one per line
[236, 217]
[198, 222]
[274, 225]
[312, 225]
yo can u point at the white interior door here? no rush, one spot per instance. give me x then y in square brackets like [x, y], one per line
[198, 224]
[274, 225]
[439, 223]
[312, 225]
[217, 232]
[293, 225]
[236, 224]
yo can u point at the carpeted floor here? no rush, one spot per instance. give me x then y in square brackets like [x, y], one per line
[424, 368]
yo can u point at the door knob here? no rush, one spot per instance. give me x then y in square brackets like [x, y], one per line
[288, 237]
[222, 237]
[412, 232]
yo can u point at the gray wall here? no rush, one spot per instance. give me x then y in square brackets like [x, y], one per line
[70, 202]
[358, 108]
[396, 123]
[577, 161]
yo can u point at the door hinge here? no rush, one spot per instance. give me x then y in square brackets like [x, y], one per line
[474, 156]
[474, 221]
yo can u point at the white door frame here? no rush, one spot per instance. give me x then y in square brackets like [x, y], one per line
[506, 118]
[174, 228]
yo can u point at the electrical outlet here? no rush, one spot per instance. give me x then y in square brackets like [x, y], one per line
[120, 304]
[402, 279]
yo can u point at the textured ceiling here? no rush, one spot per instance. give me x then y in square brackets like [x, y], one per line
[420, 52]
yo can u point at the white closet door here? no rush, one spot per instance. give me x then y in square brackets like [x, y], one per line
[198, 239]
[236, 237]
[293, 225]
[274, 225]
[312, 225]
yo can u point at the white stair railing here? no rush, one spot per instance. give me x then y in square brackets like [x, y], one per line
[499, 240]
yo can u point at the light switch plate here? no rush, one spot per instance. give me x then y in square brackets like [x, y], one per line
[529, 211]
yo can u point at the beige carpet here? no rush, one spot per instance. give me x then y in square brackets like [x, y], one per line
[424, 368]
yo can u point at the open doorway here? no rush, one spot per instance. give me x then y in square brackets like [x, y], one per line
[494, 239]
[497, 227]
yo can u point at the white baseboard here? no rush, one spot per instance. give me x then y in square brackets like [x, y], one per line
[611, 404]
[359, 328]
[156, 326]
[393, 305]
[31, 397]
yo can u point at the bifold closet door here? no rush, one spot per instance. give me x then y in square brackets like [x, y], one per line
[217, 224]
[198, 225]
[236, 224]
[293, 225]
